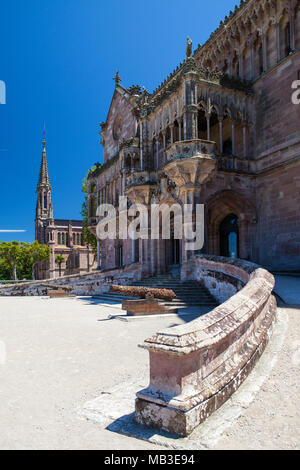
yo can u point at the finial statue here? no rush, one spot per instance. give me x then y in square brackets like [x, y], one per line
[117, 78]
[189, 47]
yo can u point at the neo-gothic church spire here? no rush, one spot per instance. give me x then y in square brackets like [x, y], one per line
[44, 173]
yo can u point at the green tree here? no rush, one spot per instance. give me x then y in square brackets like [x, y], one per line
[88, 237]
[37, 252]
[18, 259]
[4, 269]
[59, 260]
[11, 254]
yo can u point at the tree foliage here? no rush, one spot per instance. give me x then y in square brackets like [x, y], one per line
[88, 236]
[59, 260]
[18, 259]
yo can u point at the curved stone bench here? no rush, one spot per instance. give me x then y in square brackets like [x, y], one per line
[196, 367]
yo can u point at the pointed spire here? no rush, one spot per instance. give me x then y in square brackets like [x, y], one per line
[44, 173]
[117, 78]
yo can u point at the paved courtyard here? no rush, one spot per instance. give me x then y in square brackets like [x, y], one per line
[61, 358]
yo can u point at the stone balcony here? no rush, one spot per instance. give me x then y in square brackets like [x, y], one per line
[140, 178]
[138, 186]
[190, 162]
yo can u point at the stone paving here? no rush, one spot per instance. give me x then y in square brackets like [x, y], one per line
[68, 374]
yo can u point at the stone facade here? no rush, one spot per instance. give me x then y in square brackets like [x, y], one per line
[63, 236]
[222, 131]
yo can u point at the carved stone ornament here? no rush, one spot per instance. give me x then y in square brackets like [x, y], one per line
[117, 128]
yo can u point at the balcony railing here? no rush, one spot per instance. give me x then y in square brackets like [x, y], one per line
[140, 178]
[233, 163]
[190, 149]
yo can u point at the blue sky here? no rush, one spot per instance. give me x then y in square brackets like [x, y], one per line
[58, 58]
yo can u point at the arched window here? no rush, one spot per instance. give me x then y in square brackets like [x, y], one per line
[78, 243]
[229, 237]
[58, 239]
[45, 201]
[74, 239]
[62, 238]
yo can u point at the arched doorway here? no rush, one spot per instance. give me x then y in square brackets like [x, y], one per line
[229, 236]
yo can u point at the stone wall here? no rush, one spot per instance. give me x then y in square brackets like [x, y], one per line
[196, 367]
[222, 279]
[88, 284]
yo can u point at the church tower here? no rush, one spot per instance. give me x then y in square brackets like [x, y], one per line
[44, 208]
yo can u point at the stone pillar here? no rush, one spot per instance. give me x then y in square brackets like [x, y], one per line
[233, 136]
[208, 125]
[98, 255]
[141, 147]
[250, 42]
[244, 140]
[277, 33]
[179, 129]
[164, 138]
[265, 51]
[70, 235]
[291, 12]
[221, 134]
[241, 64]
[133, 249]
[172, 134]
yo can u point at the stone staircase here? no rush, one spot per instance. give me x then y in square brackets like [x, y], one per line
[189, 293]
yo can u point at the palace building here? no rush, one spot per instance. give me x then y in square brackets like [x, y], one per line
[63, 236]
[222, 131]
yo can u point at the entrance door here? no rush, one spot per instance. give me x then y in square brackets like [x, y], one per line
[229, 237]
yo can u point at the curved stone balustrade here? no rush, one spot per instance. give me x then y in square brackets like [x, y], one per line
[196, 367]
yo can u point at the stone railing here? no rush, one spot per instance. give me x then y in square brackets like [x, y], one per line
[233, 163]
[189, 149]
[85, 284]
[139, 178]
[196, 367]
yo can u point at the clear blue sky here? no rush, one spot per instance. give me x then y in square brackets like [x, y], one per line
[57, 59]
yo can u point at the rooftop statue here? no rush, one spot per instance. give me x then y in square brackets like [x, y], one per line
[189, 47]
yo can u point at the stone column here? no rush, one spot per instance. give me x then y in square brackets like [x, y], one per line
[291, 12]
[221, 134]
[164, 138]
[141, 147]
[179, 129]
[250, 42]
[98, 255]
[156, 146]
[265, 51]
[277, 33]
[208, 125]
[244, 140]
[241, 64]
[233, 136]
[172, 133]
